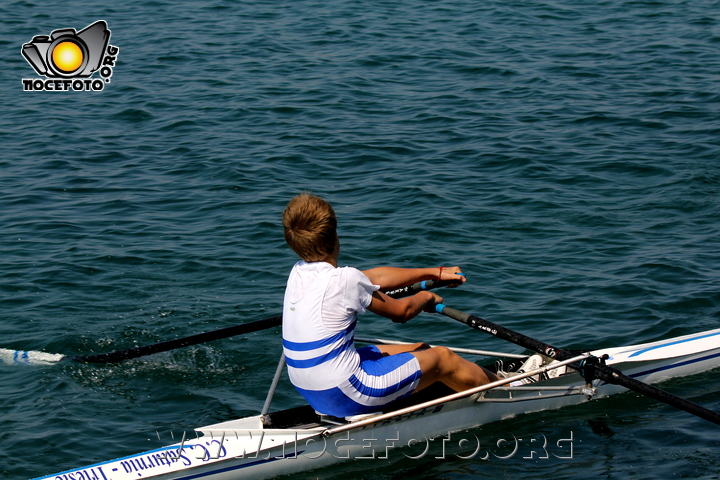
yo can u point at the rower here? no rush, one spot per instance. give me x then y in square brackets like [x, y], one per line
[320, 312]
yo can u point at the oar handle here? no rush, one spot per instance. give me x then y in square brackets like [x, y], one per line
[121, 355]
[598, 370]
[418, 287]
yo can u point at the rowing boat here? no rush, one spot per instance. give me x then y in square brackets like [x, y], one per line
[298, 439]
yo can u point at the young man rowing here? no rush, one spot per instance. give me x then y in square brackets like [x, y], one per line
[320, 311]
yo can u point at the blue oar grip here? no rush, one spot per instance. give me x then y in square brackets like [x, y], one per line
[439, 307]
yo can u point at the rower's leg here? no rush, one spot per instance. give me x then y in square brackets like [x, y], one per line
[440, 364]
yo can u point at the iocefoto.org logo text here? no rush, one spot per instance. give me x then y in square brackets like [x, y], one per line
[68, 59]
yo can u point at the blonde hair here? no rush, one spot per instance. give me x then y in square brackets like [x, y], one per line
[310, 227]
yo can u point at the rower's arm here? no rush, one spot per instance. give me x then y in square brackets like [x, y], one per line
[390, 278]
[403, 309]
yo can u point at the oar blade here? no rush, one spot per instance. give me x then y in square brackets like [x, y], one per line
[20, 357]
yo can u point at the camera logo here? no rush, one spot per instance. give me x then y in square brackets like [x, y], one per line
[68, 59]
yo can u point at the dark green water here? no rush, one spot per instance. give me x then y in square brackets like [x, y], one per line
[565, 154]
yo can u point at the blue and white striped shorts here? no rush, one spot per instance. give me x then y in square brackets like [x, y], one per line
[378, 381]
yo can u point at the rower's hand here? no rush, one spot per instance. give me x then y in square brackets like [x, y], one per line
[454, 275]
[433, 300]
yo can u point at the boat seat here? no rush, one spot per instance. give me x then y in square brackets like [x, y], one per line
[349, 419]
[330, 419]
[363, 416]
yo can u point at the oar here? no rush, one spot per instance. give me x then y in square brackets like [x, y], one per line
[42, 358]
[19, 357]
[593, 368]
[121, 355]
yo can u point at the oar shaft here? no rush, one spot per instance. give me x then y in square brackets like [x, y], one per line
[610, 375]
[121, 355]
[602, 372]
[503, 333]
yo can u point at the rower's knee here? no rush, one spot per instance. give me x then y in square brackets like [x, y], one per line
[447, 359]
[438, 362]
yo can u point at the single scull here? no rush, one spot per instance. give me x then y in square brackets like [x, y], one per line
[298, 439]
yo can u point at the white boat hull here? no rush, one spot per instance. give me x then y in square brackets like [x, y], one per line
[247, 448]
